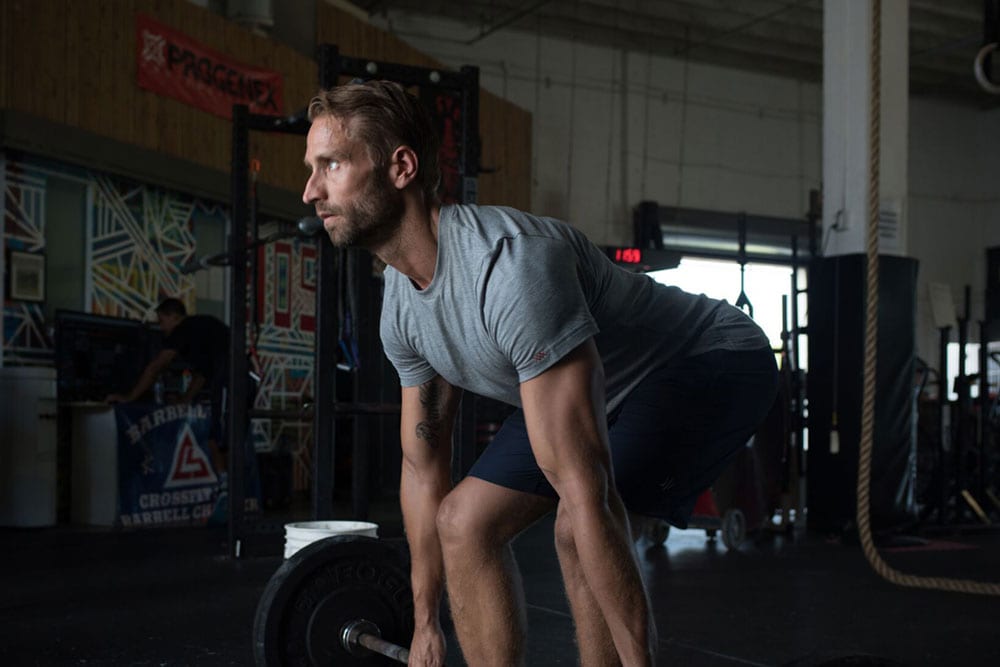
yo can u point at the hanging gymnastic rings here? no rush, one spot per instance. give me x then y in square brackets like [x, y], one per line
[981, 77]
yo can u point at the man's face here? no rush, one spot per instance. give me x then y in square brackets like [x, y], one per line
[356, 202]
[168, 322]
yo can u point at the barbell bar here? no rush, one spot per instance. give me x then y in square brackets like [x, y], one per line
[359, 636]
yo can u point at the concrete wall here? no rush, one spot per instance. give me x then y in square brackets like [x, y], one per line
[954, 206]
[613, 127]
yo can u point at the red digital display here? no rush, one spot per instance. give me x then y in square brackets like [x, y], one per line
[642, 259]
[628, 255]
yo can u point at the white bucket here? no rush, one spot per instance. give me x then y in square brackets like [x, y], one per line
[303, 533]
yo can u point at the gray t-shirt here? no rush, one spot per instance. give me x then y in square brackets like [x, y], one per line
[513, 293]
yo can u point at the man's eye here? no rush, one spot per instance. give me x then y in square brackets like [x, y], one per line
[332, 165]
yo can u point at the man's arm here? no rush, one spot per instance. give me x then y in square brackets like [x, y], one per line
[148, 377]
[428, 414]
[564, 409]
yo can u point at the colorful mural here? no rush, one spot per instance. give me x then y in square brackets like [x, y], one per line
[138, 238]
[22, 196]
[286, 303]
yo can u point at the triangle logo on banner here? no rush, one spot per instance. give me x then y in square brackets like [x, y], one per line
[190, 464]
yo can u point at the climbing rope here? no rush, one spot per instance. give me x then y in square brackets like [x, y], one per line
[871, 335]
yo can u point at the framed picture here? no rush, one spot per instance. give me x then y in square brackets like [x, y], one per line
[27, 276]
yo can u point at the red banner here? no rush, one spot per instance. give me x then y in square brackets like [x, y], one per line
[174, 65]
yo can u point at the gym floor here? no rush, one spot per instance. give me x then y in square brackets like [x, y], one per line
[76, 596]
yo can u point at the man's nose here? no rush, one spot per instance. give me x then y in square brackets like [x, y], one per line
[311, 192]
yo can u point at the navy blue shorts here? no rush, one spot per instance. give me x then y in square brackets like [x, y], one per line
[670, 439]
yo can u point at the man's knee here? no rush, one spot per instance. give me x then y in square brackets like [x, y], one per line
[485, 516]
[459, 522]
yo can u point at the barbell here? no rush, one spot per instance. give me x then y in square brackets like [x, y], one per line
[346, 600]
[342, 600]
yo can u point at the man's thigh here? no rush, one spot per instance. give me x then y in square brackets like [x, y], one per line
[509, 462]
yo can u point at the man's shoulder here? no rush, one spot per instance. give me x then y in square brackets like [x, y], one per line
[469, 223]
[491, 214]
[200, 319]
[202, 323]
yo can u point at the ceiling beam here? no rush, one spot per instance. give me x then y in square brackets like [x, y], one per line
[782, 37]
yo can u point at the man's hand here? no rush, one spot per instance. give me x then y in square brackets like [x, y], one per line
[428, 648]
[146, 380]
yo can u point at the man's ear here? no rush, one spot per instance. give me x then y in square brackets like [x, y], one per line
[403, 166]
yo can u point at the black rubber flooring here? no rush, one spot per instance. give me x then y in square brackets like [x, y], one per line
[77, 596]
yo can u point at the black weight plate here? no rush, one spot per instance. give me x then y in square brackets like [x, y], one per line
[323, 586]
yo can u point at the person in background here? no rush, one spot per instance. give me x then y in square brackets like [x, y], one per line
[202, 342]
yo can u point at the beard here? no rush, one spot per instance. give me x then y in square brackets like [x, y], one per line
[373, 216]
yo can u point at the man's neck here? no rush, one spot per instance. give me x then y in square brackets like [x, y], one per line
[413, 249]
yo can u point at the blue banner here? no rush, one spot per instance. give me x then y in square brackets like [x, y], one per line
[165, 468]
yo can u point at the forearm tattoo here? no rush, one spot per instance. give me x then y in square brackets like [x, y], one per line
[431, 397]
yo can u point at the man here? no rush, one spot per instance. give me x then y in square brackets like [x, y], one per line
[202, 341]
[623, 385]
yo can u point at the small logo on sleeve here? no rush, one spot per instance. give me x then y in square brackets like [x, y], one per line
[540, 356]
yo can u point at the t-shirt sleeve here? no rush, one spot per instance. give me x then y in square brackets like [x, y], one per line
[413, 369]
[534, 304]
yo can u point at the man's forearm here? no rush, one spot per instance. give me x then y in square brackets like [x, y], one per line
[565, 411]
[150, 372]
[144, 382]
[420, 499]
[600, 531]
[425, 433]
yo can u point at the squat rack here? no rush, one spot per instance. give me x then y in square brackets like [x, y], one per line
[332, 65]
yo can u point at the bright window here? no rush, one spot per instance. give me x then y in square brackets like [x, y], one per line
[972, 368]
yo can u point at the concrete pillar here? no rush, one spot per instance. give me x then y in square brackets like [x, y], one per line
[847, 43]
